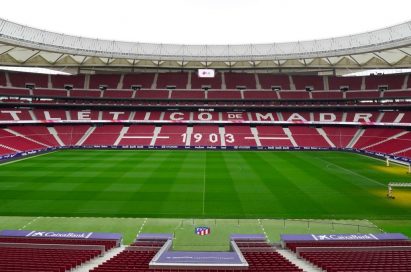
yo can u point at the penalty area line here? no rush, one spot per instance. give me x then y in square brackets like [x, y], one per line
[351, 172]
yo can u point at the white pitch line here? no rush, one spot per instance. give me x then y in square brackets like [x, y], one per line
[204, 184]
[29, 223]
[26, 158]
[263, 229]
[380, 229]
[380, 159]
[353, 173]
[142, 226]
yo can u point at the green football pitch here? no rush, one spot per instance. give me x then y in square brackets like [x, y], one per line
[202, 184]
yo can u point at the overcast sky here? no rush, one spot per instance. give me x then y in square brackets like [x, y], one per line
[207, 21]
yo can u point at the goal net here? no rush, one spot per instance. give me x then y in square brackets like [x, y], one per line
[392, 185]
[389, 160]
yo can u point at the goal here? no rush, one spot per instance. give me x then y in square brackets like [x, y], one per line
[389, 160]
[397, 185]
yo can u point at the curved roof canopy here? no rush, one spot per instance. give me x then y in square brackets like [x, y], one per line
[385, 48]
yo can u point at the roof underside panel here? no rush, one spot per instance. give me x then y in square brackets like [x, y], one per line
[388, 47]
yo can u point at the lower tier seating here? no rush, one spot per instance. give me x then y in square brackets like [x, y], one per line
[294, 245]
[370, 260]
[13, 259]
[396, 141]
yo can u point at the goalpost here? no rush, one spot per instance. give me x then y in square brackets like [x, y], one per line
[388, 160]
[398, 185]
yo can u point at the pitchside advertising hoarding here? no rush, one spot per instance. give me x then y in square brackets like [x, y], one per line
[60, 234]
[233, 148]
[343, 237]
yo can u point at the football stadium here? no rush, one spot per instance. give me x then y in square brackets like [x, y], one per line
[138, 156]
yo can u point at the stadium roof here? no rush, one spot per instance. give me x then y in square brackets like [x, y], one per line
[384, 48]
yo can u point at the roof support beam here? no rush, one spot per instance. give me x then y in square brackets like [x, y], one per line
[84, 60]
[378, 56]
[59, 58]
[305, 63]
[329, 61]
[404, 52]
[5, 52]
[351, 57]
[32, 56]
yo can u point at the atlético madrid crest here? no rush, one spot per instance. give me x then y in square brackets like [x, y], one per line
[202, 231]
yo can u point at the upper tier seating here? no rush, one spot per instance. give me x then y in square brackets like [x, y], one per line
[177, 80]
[268, 81]
[222, 95]
[260, 95]
[144, 80]
[88, 93]
[327, 95]
[152, 94]
[200, 95]
[200, 82]
[362, 94]
[234, 80]
[362, 117]
[20, 114]
[117, 94]
[13, 91]
[49, 92]
[3, 81]
[302, 82]
[21, 79]
[397, 94]
[294, 95]
[109, 81]
[76, 81]
[392, 81]
[352, 83]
